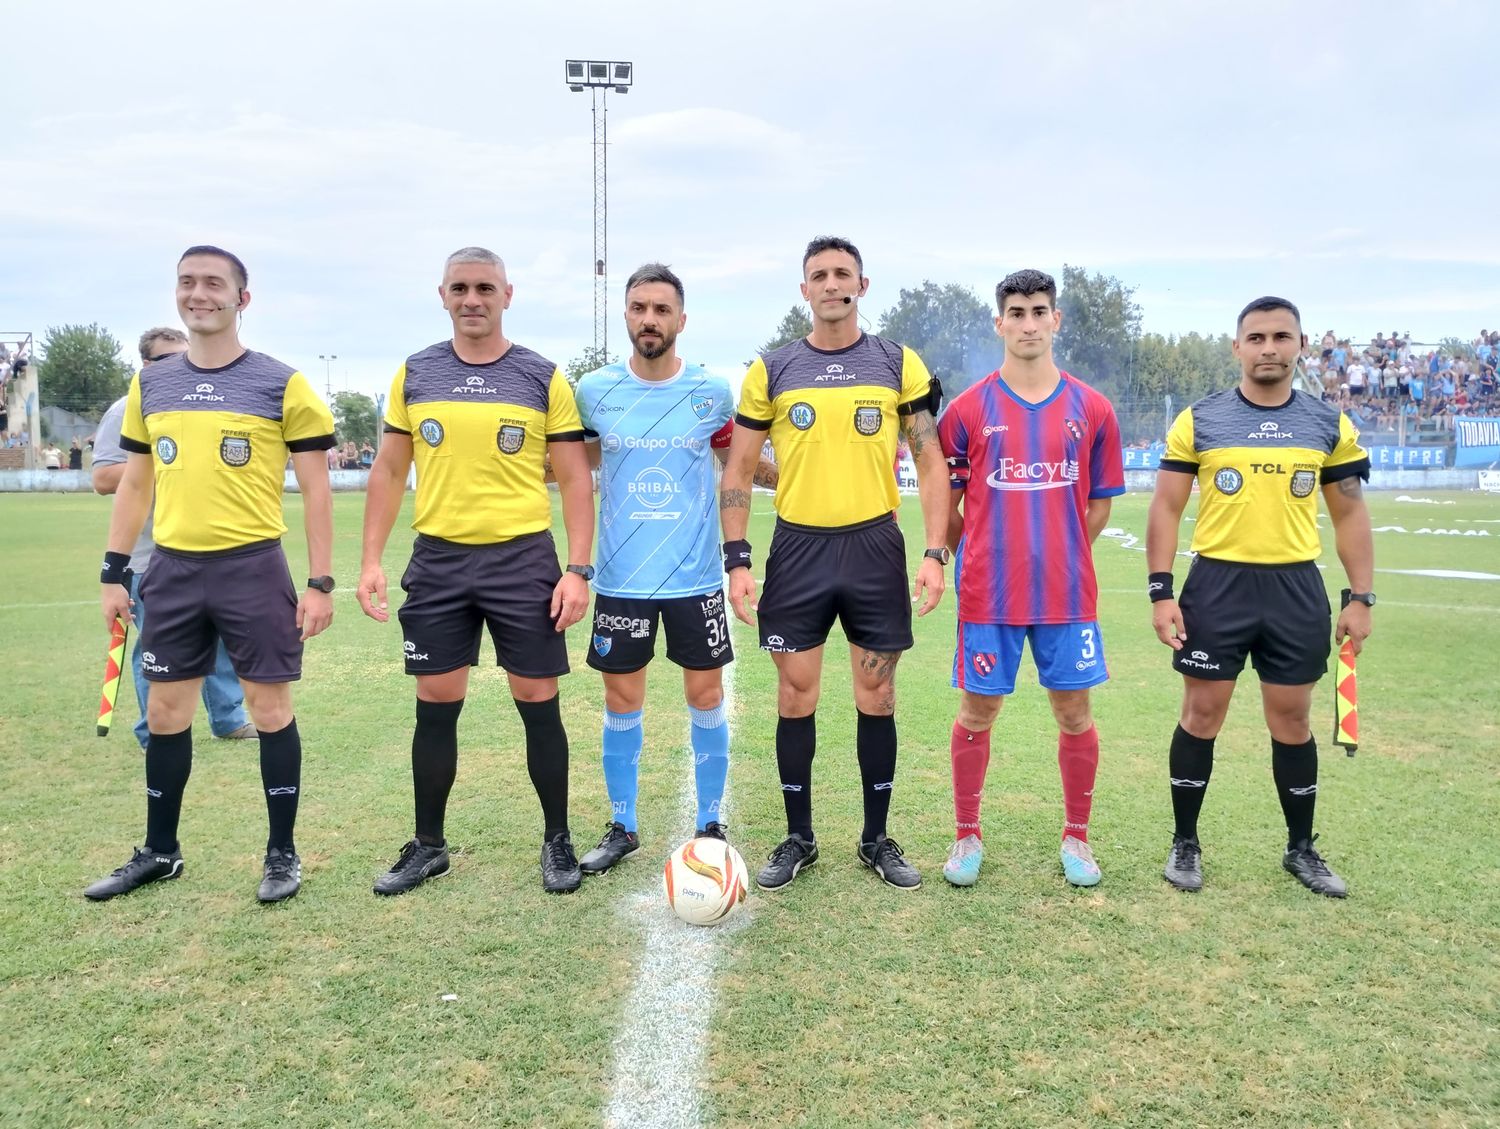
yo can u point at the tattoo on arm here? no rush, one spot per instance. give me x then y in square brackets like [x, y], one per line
[766, 475]
[734, 499]
[920, 431]
[1350, 487]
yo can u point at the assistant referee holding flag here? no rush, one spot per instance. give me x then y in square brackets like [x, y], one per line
[1260, 453]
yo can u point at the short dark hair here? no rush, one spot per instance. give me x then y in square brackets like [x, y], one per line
[656, 272]
[1024, 282]
[1266, 305]
[823, 243]
[242, 276]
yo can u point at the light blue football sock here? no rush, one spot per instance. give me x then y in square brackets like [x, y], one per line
[710, 736]
[622, 758]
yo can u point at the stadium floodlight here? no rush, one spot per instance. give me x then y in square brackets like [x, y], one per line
[599, 77]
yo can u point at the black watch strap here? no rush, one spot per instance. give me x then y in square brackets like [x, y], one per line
[321, 583]
[942, 555]
[585, 571]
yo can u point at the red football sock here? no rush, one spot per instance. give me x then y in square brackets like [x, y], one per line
[970, 753]
[1078, 759]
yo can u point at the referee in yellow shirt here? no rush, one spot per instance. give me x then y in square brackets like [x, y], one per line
[479, 414]
[209, 431]
[833, 404]
[1260, 454]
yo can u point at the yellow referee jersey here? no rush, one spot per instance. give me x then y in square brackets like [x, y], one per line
[479, 435]
[1258, 473]
[833, 418]
[219, 439]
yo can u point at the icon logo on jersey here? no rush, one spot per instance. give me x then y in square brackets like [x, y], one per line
[610, 443]
[203, 394]
[654, 488]
[1018, 474]
[602, 644]
[234, 451]
[867, 421]
[802, 415]
[1229, 480]
[994, 429]
[984, 664]
[510, 438]
[1304, 482]
[1075, 427]
[702, 405]
[474, 386]
[836, 373]
[431, 432]
[166, 449]
[1269, 429]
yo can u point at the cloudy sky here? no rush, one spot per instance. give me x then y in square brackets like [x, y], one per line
[1342, 154]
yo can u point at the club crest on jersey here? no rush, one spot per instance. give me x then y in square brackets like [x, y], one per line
[234, 450]
[1075, 427]
[1229, 480]
[801, 415]
[511, 439]
[1304, 482]
[166, 449]
[702, 405]
[867, 421]
[431, 432]
[984, 664]
[602, 644]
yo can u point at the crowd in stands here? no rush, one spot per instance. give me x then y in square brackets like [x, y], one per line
[351, 457]
[1387, 385]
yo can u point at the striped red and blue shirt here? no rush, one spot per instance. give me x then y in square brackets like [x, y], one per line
[1027, 472]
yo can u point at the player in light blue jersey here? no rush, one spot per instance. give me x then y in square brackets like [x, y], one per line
[651, 422]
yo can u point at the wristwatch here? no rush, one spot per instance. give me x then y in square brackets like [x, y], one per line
[1365, 598]
[321, 583]
[942, 555]
[585, 571]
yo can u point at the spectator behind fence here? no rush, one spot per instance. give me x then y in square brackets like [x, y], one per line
[52, 456]
[222, 696]
[75, 455]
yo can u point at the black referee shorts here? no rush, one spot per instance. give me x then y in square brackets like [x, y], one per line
[1278, 615]
[855, 574]
[454, 590]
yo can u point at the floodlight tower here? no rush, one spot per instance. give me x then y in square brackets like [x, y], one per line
[599, 78]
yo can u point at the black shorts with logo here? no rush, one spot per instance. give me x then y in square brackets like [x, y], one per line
[1278, 615]
[855, 574]
[453, 591]
[244, 596]
[624, 632]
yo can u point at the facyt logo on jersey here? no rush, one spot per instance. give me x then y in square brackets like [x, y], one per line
[702, 405]
[1270, 429]
[475, 386]
[203, 394]
[834, 373]
[166, 449]
[1018, 474]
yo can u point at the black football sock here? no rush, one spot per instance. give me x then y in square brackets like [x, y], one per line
[434, 765]
[547, 760]
[875, 744]
[1295, 770]
[169, 763]
[796, 742]
[281, 774]
[1191, 763]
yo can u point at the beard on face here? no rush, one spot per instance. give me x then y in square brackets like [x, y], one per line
[654, 349]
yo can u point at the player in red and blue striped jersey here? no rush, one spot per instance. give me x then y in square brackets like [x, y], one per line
[1034, 457]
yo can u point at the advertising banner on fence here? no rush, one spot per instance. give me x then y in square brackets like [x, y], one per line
[1394, 458]
[1478, 441]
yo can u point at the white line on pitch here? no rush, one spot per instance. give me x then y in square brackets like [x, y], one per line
[659, 1052]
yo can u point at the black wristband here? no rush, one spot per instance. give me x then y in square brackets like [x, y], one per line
[736, 555]
[1159, 586]
[116, 569]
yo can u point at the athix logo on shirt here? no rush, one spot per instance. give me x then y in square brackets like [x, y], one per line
[834, 373]
[411, 652]
[148, 662]
[203, 394]
[1018, 474]
[1270, 429]
[475, 386]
